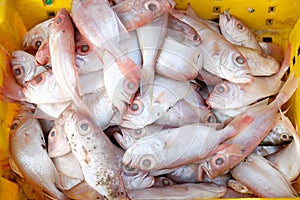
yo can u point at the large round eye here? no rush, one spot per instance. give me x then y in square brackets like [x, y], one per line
[37, 42]
[239, 60]
[130, 86]
[16, 124]
[240, 26]
[84, 127]
[18, 70]
[58, 20]
[152, 6]
[38, 79]
[147, 162]
[219, 160]
[285, 137]
[221, 88]
[83, 50]
[52, 134]
[166, 181]
[136, 107]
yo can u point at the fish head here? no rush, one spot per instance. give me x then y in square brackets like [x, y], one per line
[140, 113]
[225, 95]
[85, 54]
[42, 88]
[233, 28]
[145, 154]
[220, 162]
[26, 129]
[42, 56]
[62, 20]
[22, 66]
[124, 139]
[234, 67]
[58, 144]
[34, 38]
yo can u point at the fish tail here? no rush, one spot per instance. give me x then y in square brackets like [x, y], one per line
[287, 90]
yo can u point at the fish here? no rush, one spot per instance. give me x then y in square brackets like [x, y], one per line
[83, 191]
[148, 108]
[95, 154]
[238, 187]
[235, 31]
[287, 160]
[63, 61]
[87, 59]
[262, 178]
[172, 147]
[180, 191]
[36, 35]
[274, 50]
[162, 182]
[185, 174]
[228, 95]
[23, 66]
[42, 56]
[28, 150]
[240, 146]
[134, 14]
[181, 66]
[151, 38]
[220, 57]
[105, 34]
[267, 150]
[280, 134]
[260, 63]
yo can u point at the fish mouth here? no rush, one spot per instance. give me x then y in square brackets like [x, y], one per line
[127, 159]
[227, 15]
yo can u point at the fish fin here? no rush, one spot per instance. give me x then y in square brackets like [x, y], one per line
[285, 63]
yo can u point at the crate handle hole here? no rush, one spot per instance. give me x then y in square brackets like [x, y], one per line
[272, 9]
[298, 52]
[294, 60]
[251, 10]
[216, 9]
[267, 39]
[269, 21]
[51, 14]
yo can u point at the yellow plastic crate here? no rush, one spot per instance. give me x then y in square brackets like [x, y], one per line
[271, 20]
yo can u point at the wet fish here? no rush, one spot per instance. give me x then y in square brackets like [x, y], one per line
[260, 63]
[148, 108]
[235, 31]
[42, 56]
[63, 61]
[105, 34]
[36, 35]
[181, 191]
[28, 150]
[95, 154]
[287, 159]
[229, 95]
[151, 39]
[23, 66]
[134, 14]
[220, 57]
[240, 146]
[261, 177]
[173, 147]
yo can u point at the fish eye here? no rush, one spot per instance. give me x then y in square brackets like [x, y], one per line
[221, 88]
[18, 70]
[58, 20]
[166, 182]
[136, 107]
[147, 162]
[84, 127]
[239, 60]
[52, 134]
[16, 124]
[240, 26]
[38, 44]
[152, 6]
[39, 78]
[285, 137]
[219, 160]
[130, 86]
[85, 48]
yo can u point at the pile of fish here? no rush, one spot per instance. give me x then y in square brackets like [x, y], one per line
[136, 99]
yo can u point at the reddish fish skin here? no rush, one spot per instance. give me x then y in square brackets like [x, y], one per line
[245, 142]
[42, 56]
[104, 34]
[62, 51]
[134, 14]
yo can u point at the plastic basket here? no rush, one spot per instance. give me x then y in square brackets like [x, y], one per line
[271, 20]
